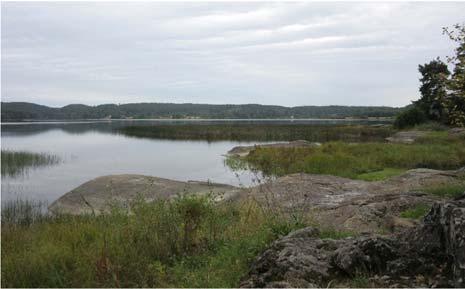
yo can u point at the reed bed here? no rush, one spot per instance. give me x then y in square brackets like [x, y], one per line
[16, 163]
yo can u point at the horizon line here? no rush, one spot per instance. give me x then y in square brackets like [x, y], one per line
[192, 103]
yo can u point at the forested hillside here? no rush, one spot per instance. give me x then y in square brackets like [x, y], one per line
[12, 111]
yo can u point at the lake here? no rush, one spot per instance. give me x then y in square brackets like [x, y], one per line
[89, 149]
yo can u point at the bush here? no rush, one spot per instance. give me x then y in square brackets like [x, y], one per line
[411, 117]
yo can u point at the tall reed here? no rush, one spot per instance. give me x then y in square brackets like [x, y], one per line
[16, 163]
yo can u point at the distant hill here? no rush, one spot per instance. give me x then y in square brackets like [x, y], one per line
[14, 111]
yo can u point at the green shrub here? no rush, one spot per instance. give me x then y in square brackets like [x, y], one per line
[411, 117]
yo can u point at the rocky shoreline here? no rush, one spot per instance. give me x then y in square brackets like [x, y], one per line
[340, 203]
[431, 254]
[389, 250]
[355, 205]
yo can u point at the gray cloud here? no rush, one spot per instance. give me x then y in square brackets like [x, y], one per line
[307, 53]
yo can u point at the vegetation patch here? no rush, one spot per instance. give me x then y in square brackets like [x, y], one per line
[360, 281]
[446, 190]
[260, 132]
[417, 212]
[18, 162]
[380, 175]
[187, 242]
[368, 161]
[23, 212]
[335, 234]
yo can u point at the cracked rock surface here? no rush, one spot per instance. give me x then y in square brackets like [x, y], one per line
[431, 254]
[355, 205]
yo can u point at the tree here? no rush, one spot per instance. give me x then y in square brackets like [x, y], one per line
[456, 85]
[434, 89]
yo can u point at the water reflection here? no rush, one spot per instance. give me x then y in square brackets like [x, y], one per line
[88, 151]
[112, 126]
[18, 163]
[91, 149]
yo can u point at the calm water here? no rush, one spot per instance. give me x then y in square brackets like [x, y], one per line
[92, 149]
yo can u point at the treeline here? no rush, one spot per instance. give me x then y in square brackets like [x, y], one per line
[442, 91]
[13, 111]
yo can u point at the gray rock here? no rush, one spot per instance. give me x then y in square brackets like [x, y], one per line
[242, 151]
[300, 259]
[99, 194]
[432, 252]
[367, 254]
[457, 131]
[353, 205]
[406, 137]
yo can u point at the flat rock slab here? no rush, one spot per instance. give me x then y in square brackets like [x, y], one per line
[406, 137]
[353, 205]
[98, 194]
[242, 151]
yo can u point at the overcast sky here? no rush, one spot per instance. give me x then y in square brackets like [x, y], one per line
[270, 53]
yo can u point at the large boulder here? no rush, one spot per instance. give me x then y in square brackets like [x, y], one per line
[431, 254]
[98, 195]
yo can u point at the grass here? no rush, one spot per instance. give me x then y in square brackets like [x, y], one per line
[446, 190]
[334, 234]
[23, 212]
[16, 163]
[360, 281]
[260, 132]
[431, 126]
[380, 175]
[367, 161]
[419, 211]
[186, 242]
